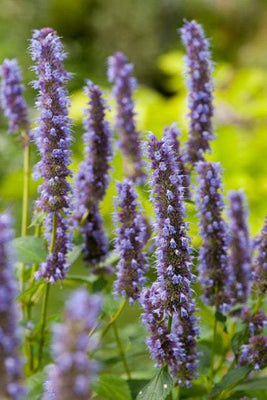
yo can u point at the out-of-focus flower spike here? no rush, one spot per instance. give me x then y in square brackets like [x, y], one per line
[53, 140]
[240, 260]
[92, 179]
[120, 73]
[200, 87]
[215, 274]
[11, 366]
[260, 264]
[73, 373]
[255, 352]
[130, 241]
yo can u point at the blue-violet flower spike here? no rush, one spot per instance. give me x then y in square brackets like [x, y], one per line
[11, 366]
[240, 260]
[260, 264]
[53, 140]
[120, 73]
[200, 91]
[215, 273]
[131, 235]
[12, 100]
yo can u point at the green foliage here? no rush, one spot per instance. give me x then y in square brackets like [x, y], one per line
[158, 388]
[30, 249]
[110, 387]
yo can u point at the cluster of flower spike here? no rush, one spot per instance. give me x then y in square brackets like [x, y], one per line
[53, 140]
[119, 72]
[260, 267]
[92, 179]
[213, 258]
[200, 91]
[240, 262]
[171, 295]
[10, 361]
[12, 100]
[130, 240]
[71, 376]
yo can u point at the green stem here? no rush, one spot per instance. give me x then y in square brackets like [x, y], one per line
[43, 324]
[215, 326]
[114, 318]
[25, 198]
[121, 351]
[46, 296]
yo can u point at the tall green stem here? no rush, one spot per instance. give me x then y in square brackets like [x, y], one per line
[25, 198]
[213, 351]
[46, 296]
[121, 351]
[114, 317]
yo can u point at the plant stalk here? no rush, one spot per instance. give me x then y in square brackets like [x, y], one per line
[121, 351]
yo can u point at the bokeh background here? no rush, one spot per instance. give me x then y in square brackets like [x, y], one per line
[147, 32]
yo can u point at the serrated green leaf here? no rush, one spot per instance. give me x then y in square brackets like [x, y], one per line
[136, 385]
[158, 388]
[35, 386]
[30, 249]
[230, 379]
[111, 387]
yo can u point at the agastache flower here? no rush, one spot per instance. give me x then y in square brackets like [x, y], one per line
[92, 179]
[11, 366]
[173, 134]
[73, 373]
[260, 264]
[200, 87]
[120, 73]
[171, 296]
[131, 237]
[12, 100]
[53, 140]
[240, 262]
[215, 273]
[255, 352]
[256, 322]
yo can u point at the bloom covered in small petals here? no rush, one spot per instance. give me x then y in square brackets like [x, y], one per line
[72, 375]
[171, 295]
[119, 72]
[240, 261]
[213, 259]
[12, 100]
[53, 140]
[255, 352]
[260, 265]
[10, 362]
[92, 179]
[172, 134]
[256, 322]
[130, 240]
[200, 91]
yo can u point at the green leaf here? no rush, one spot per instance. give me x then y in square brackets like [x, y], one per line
[136, 385]
[158, 388]
[194, 391]
[74, 280]
[30, 249]
[237, 341]
[111, 387]
[253, 384]
[230, 379]
[74, 254]
[35, 386]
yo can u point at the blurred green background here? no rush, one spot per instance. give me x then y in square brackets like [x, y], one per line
[146, 32]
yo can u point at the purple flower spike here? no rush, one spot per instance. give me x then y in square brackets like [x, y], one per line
[200, 91]
[240, 262]
[120, 73]
[256, 322]
[255, 353]
[10, 362]
[12, 100]
[92, 179]
[214, 264]
[173, 134]
[172, 292]
[260, 265]
[53, 140]
[130, 241]
[73, 373]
